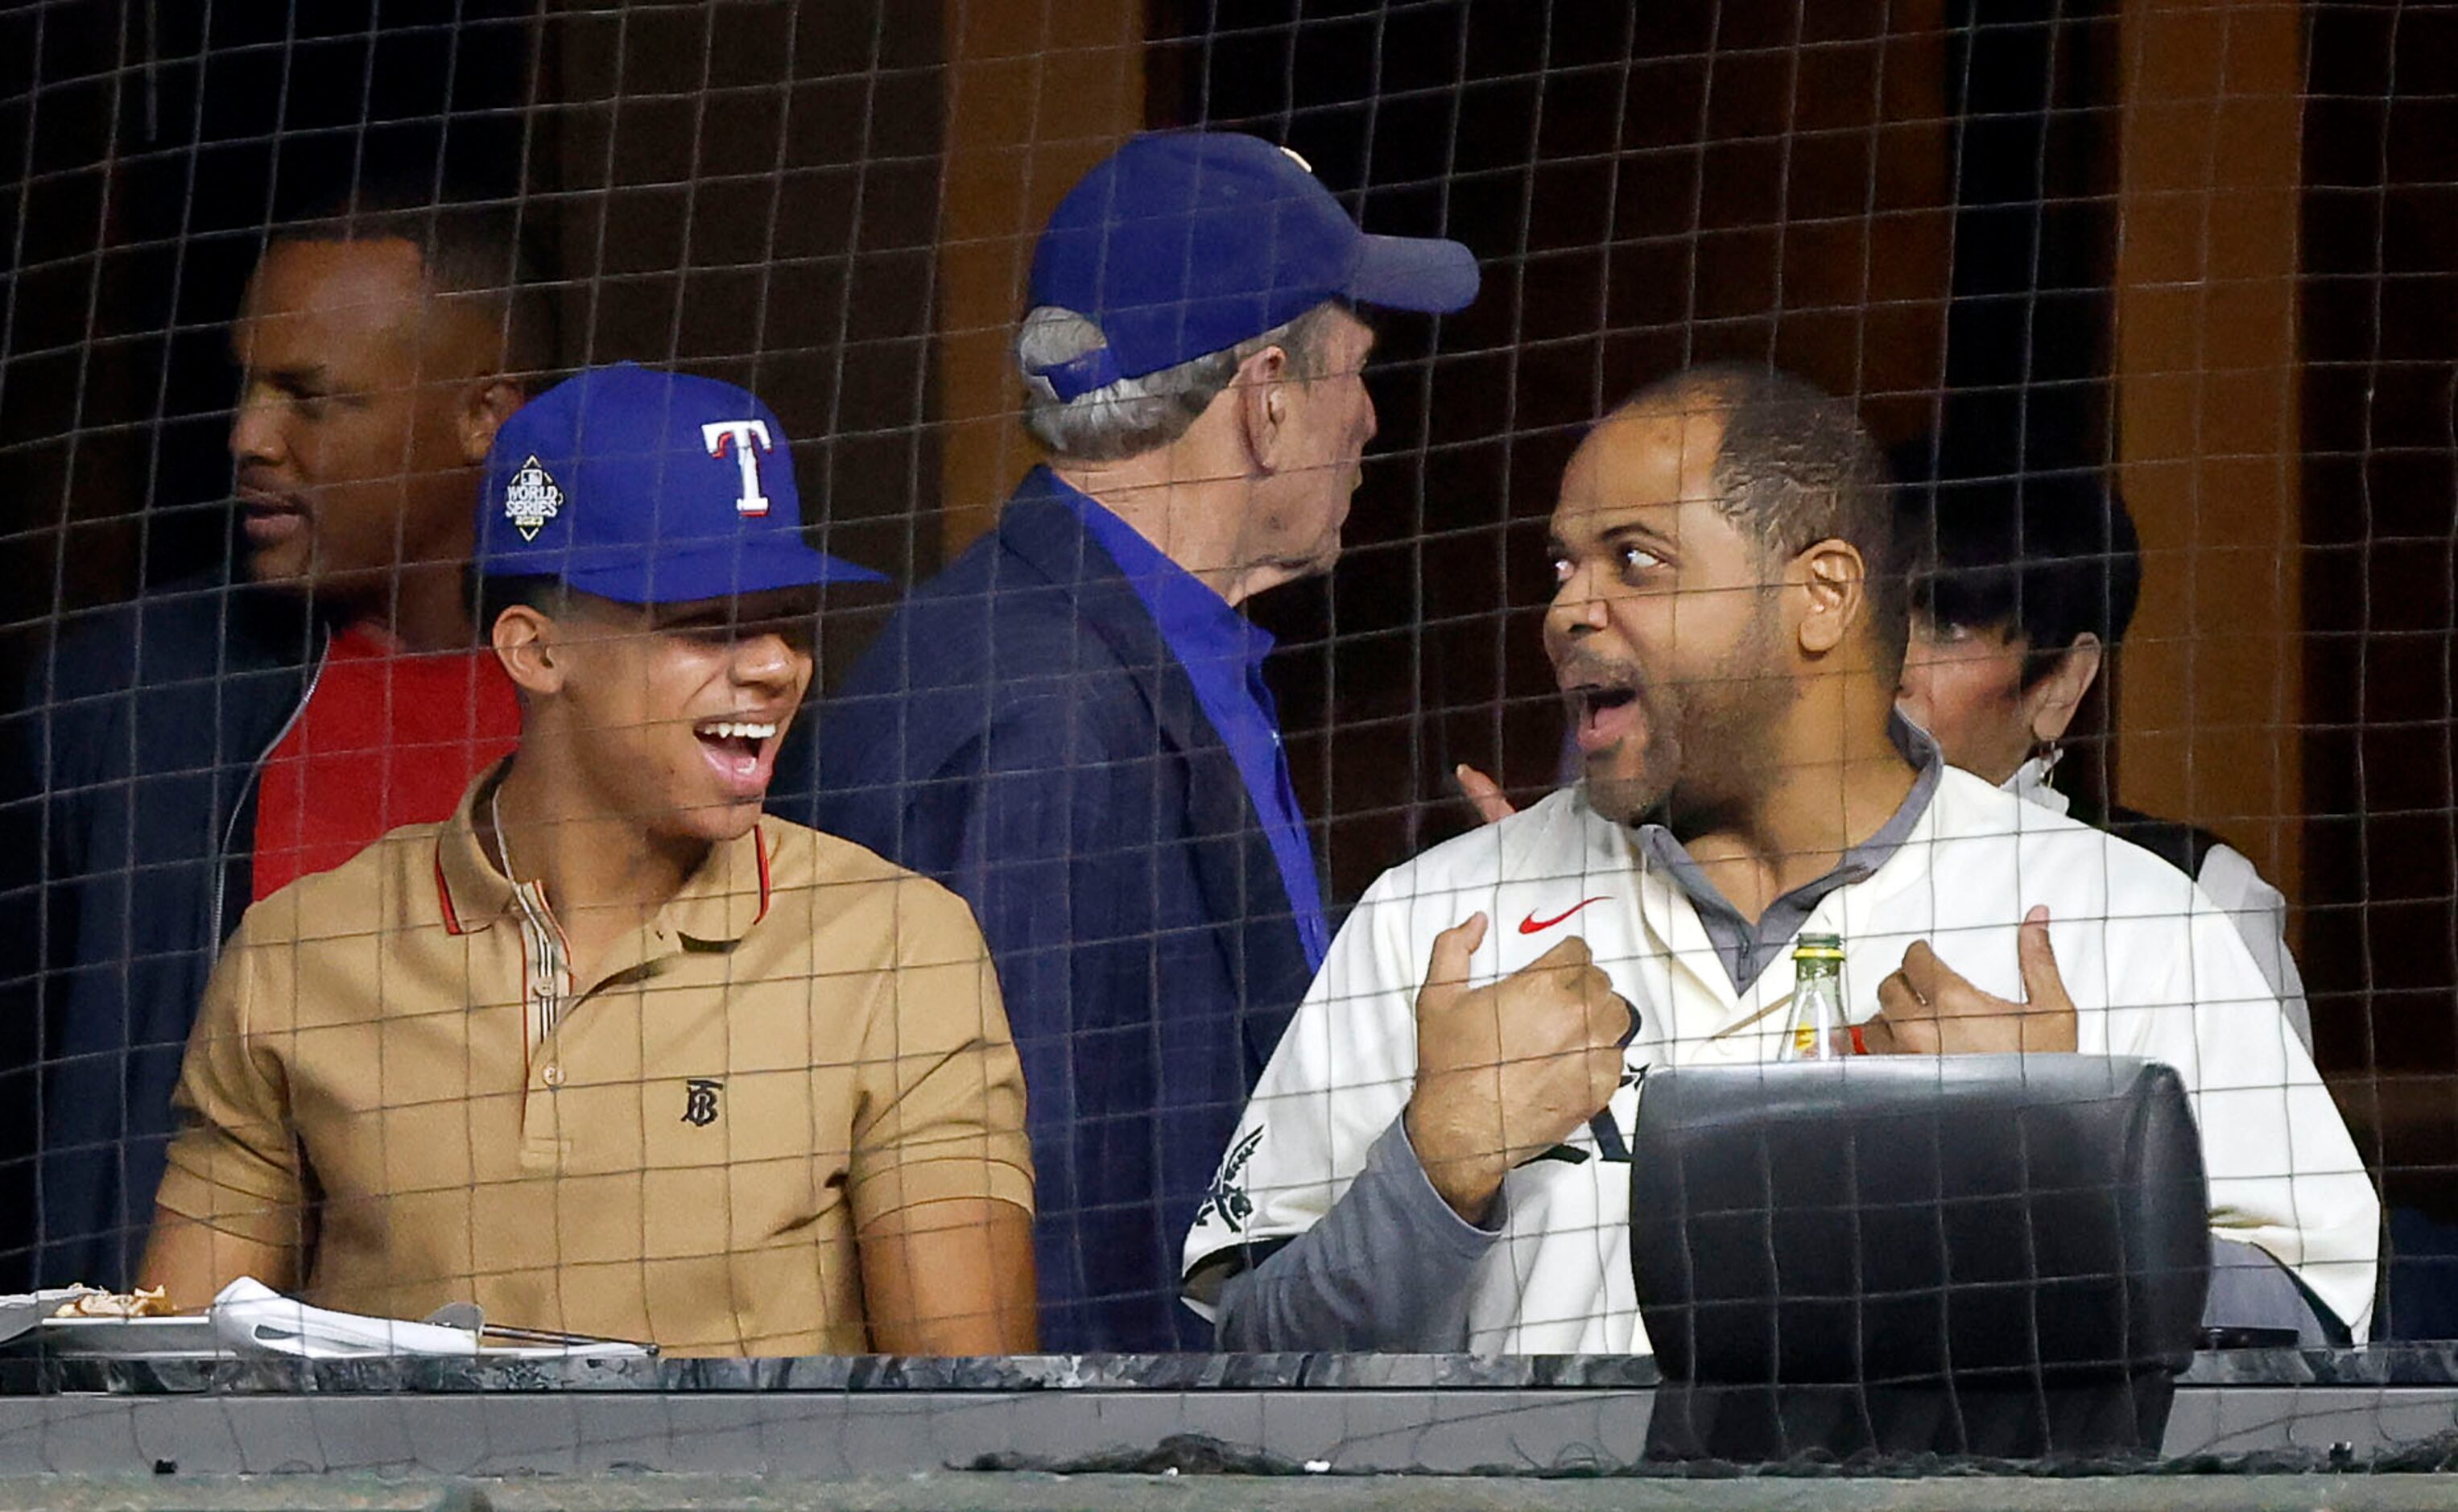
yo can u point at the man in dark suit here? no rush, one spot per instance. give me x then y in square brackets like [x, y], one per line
[174, 759]
[1069, 726]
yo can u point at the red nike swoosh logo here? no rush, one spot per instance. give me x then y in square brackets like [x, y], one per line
[1531, 924]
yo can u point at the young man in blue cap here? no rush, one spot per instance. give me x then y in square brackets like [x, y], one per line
[609, 1052]
[1069, 726]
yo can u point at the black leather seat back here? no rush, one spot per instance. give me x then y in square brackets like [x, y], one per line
[2000, 1227]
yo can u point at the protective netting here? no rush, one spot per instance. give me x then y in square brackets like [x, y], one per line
[2149, 306]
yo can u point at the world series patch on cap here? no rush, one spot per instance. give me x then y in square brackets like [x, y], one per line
[646, 487]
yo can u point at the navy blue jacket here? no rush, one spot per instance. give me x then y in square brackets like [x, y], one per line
[1022, 733]
[128, 814]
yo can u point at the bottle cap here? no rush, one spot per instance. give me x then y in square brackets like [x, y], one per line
[1818, 948]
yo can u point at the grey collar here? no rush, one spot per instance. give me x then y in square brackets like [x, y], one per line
[1745, 949]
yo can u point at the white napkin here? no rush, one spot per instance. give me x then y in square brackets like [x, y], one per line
[253, 1318]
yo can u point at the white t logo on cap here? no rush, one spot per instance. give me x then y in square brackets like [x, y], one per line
[741, 433]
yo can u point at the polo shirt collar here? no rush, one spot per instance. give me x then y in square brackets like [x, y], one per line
[468, 890]
[726, 896]
[1196, 623]
[1745, 949]
[719, 902]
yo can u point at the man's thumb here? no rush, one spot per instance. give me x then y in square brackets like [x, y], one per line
[2037, 958]
[1484, 794]
[1447, 972]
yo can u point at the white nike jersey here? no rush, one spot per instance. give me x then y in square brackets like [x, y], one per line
[2155, 970]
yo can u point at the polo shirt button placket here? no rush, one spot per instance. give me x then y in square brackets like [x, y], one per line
[553, 1076]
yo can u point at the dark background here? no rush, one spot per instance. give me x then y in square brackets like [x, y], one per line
[2381, 573]
[168, 150]
[688, 217]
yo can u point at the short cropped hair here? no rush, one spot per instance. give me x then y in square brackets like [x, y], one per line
[487, 597]
[2049, 556]
[1795, 467]
[1138, 415]
[465, 247]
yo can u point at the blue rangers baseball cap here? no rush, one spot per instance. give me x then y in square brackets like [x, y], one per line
[1183, 243]
[647, 487]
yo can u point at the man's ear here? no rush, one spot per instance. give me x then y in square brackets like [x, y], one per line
[525, 643]
[2055, 697]
[1262, 391]
[485, 406]
[1835, 591]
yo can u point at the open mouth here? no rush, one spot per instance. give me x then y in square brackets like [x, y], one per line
[741, 751]
[1603, 714]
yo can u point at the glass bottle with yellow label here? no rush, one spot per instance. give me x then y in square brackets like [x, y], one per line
[1817, 1025]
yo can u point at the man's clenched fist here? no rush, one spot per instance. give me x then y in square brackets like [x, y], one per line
[1509, 1070]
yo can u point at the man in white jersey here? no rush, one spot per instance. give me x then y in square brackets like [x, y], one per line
[1435, 1158]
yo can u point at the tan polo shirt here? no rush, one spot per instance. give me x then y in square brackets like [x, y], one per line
[392, 1069]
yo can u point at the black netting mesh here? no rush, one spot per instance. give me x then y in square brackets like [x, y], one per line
[2193, 259]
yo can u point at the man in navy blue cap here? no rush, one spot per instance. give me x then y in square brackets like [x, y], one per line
[1069, 726]
[609, 1052]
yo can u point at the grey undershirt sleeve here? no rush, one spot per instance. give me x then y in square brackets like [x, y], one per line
[1386, 1268]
